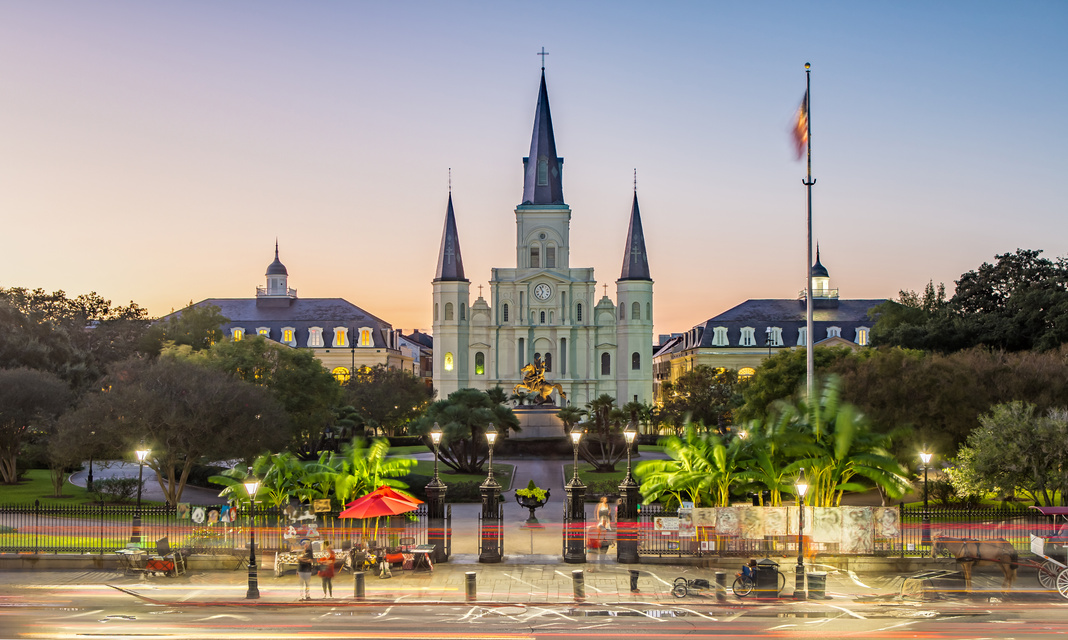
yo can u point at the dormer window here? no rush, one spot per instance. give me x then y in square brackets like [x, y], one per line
[315, 337]
[719, 337]
[862, 336]
[237, 334]
[264, 331]
[341, 336]
[748, 338]
[289, 336]
[801, 335]
[774, 336]
[834, 332]
[365, 337]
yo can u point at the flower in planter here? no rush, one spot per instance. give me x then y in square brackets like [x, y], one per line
[532, 491]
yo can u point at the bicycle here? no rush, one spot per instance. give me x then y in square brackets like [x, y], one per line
[744, 585]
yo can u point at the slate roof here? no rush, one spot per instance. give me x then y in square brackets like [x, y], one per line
[635, 260]
[301, 314]
[450, 262]
[543, 147]
[788, 315]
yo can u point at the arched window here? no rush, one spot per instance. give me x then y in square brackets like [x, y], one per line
[448, 311]
[550, 257]
[649, 311]
[636, 361]
[522, 359]
[543, 172]
[636, 311]
[448, 361]
[746, 372]
[537, 356]
[622, 312]
[541, 318]
[463, 311]
[365, 338]
[480, 364]
[563, 356]
[535, 257]
[435, 312]
[578, 312]
[548, 362]
[504, 313]
[606, 364]
[341, 374]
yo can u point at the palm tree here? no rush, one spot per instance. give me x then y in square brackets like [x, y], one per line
[604, 446]
[703, 468]
[362, 467]
[570, 416]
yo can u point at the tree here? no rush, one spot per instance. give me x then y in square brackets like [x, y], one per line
[780, 376]
[28, 399]
[294, 377]
[705, 395]
[182, 411]
[363, 466]
[603, 446]
[387, 398]
[1016, 449]
[463, 418]
[25, 342]
[570, 416]
[702, 469]
[197, 327]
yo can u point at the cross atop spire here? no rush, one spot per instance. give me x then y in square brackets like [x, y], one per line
[543, 54]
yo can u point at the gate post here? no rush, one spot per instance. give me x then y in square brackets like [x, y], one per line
[435, 516]
[627, 514]
[575, 510]
[490, 523]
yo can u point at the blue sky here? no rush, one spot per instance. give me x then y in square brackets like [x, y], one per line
[153, 152]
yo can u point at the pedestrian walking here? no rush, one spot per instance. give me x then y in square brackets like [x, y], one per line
[305, 565]
[604, 514]
[326, 569]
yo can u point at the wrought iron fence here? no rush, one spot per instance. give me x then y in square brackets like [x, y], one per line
[100, 529]
[1012, 524]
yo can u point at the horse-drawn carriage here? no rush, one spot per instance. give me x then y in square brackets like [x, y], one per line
[1053, 550]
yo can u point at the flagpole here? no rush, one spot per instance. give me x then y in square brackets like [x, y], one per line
[808, 182]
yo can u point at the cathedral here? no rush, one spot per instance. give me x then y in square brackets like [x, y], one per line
[543, 309]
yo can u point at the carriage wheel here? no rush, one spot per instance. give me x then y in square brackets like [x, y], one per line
[679, 591]
[679, 580]
[1047, 575]
[1062, 582]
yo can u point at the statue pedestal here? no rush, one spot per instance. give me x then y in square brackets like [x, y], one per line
[538, 422]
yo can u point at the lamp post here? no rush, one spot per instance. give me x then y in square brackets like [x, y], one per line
[89, 478]
[435, 502]
[627, 516]
[575, 510]
[799, 579]
[767, 333]
[252, 485]
[141, 454]
[491, 508]
[926, 533]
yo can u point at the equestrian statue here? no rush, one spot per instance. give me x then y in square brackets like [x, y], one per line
[534, 384]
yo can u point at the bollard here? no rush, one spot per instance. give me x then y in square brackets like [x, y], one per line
[633, 581]
[358, 591]
[471, 588]
[579, 584]
[721, 585]
[817, 585]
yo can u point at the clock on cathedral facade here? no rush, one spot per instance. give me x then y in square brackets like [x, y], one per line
[543, 309]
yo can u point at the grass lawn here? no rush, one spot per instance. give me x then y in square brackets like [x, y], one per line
[501, 471]
[37, 485]
[408, 450]
[597, 480]
[652, 448]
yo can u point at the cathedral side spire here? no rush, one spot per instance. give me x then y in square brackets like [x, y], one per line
[635, 261]
[542, 182]
[450, 263]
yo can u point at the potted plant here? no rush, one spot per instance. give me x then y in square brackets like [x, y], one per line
[532, 498]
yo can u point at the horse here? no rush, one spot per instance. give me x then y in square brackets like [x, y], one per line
[541, 391]
[970, 552]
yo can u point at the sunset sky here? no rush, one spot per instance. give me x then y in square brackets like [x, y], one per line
[153, 151]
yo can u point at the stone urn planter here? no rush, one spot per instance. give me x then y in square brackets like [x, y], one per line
[532, 498]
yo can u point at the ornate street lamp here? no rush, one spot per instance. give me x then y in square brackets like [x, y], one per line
[799, 580]
[435, 502]
[627, 517]
[925, 457]
[491, 508]
[89, 478]
[141, 454]
[252, 485]
[575, 509]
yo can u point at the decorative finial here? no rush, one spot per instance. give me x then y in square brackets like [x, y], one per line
[276, 248]
[543, 53]
[606, 290]
[635, 179]
[450, 180]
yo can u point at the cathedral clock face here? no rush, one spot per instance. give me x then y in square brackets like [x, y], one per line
[542, 291]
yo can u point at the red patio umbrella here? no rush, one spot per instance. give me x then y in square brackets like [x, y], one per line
[389, 492]
[375, 505]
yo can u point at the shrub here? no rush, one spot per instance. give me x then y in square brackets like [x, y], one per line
[116, 489]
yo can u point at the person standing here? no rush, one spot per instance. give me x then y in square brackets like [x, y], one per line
[305, 565]
[326, 570]
[604, 514]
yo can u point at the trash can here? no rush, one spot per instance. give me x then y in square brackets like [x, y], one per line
[766, 577]
[817, 585]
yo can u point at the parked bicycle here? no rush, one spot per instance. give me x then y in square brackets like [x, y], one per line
[744, 585]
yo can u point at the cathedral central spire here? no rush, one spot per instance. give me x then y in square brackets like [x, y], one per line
[542, 182]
